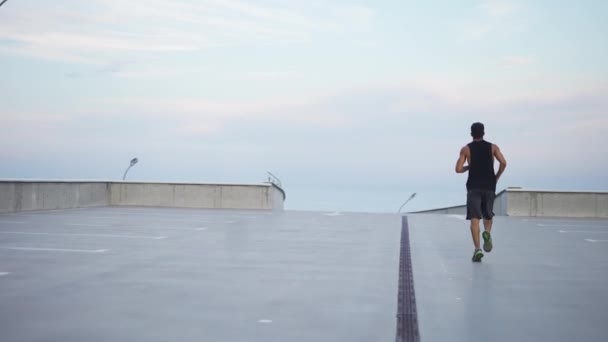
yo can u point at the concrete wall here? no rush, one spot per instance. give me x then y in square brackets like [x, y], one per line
[542, 203]
[500, 204]
[16, 196]
[557, 203]
[455, 210]
[196, 196]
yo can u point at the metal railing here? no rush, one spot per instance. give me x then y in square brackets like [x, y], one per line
[274, 179]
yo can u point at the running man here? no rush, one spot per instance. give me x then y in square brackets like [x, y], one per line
[479, 156]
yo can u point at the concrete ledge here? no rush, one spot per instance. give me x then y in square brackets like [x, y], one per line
[541, 203]
[50, 195]
[548, 203]
[453, 210]
[28, 195]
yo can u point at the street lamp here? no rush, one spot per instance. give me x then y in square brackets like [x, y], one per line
[409, 199]
[133, 162]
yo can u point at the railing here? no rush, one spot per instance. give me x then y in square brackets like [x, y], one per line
[274, 180]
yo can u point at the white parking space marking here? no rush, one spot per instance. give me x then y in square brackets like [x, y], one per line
[13, 222]
[140, 219]
[88, 235]
[85, 225]
[175, 215]
[571, 225]
[460, 217]
[56, 250]
[582, 231]
[592, 240]
[4, 273]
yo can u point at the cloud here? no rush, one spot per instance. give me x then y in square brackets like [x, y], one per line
[512, 61]
[369, 136]
[356, 17]
[499, 8]
[97, 31]
[496, 17]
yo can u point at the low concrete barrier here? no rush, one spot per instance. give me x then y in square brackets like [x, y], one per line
[22, 195]
[547, 203]
[455, 210]
[18, 196]
[542, 203]
[216, 196]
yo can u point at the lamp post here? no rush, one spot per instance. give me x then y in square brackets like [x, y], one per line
[409, 199]
[133, 162]
[2, 2]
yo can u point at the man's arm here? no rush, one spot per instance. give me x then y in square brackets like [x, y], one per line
[460, 168]
[501, 159]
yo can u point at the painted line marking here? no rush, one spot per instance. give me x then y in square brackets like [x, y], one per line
[202, 228]
[173, 215]
[13, 222]
[136, 219]
[460, 217]
[132, 227]
[593, 241]
[335, 213]
[4, 273]
[265, 321]
[57, 249]
[89, 235]
[85, 225]
[582, 231]
[570, 226]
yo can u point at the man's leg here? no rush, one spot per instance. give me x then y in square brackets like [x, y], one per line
[475, 232]
[487, 225]
[474, 214]
[487, 208]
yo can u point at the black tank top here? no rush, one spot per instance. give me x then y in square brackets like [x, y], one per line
[481, 167]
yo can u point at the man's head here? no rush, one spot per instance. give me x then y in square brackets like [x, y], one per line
[477, 130]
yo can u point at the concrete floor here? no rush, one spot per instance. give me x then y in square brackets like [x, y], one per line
[158, 274]
[545, 280]
[135, 274]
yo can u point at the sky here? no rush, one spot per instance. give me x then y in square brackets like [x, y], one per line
[354, 105]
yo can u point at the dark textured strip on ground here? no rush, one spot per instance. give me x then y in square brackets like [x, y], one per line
[407, 318]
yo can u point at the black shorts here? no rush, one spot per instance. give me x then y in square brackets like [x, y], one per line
[480, 204]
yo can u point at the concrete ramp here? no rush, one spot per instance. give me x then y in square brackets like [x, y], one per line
[168, 274]
[545, 280]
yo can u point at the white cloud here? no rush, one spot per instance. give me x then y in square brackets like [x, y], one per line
[99, 30]
[356, 17]
[499, 8]
[510, 61]
[496, 17]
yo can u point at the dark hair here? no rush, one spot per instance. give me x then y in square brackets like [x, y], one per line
[477, 130]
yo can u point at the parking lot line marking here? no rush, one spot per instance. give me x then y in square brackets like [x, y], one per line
[85, 225]
[88, 235]
[56, 249]
[583, 231]
[571, 225]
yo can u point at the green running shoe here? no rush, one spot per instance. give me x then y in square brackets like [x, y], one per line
[477, 255]
[487, 242]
